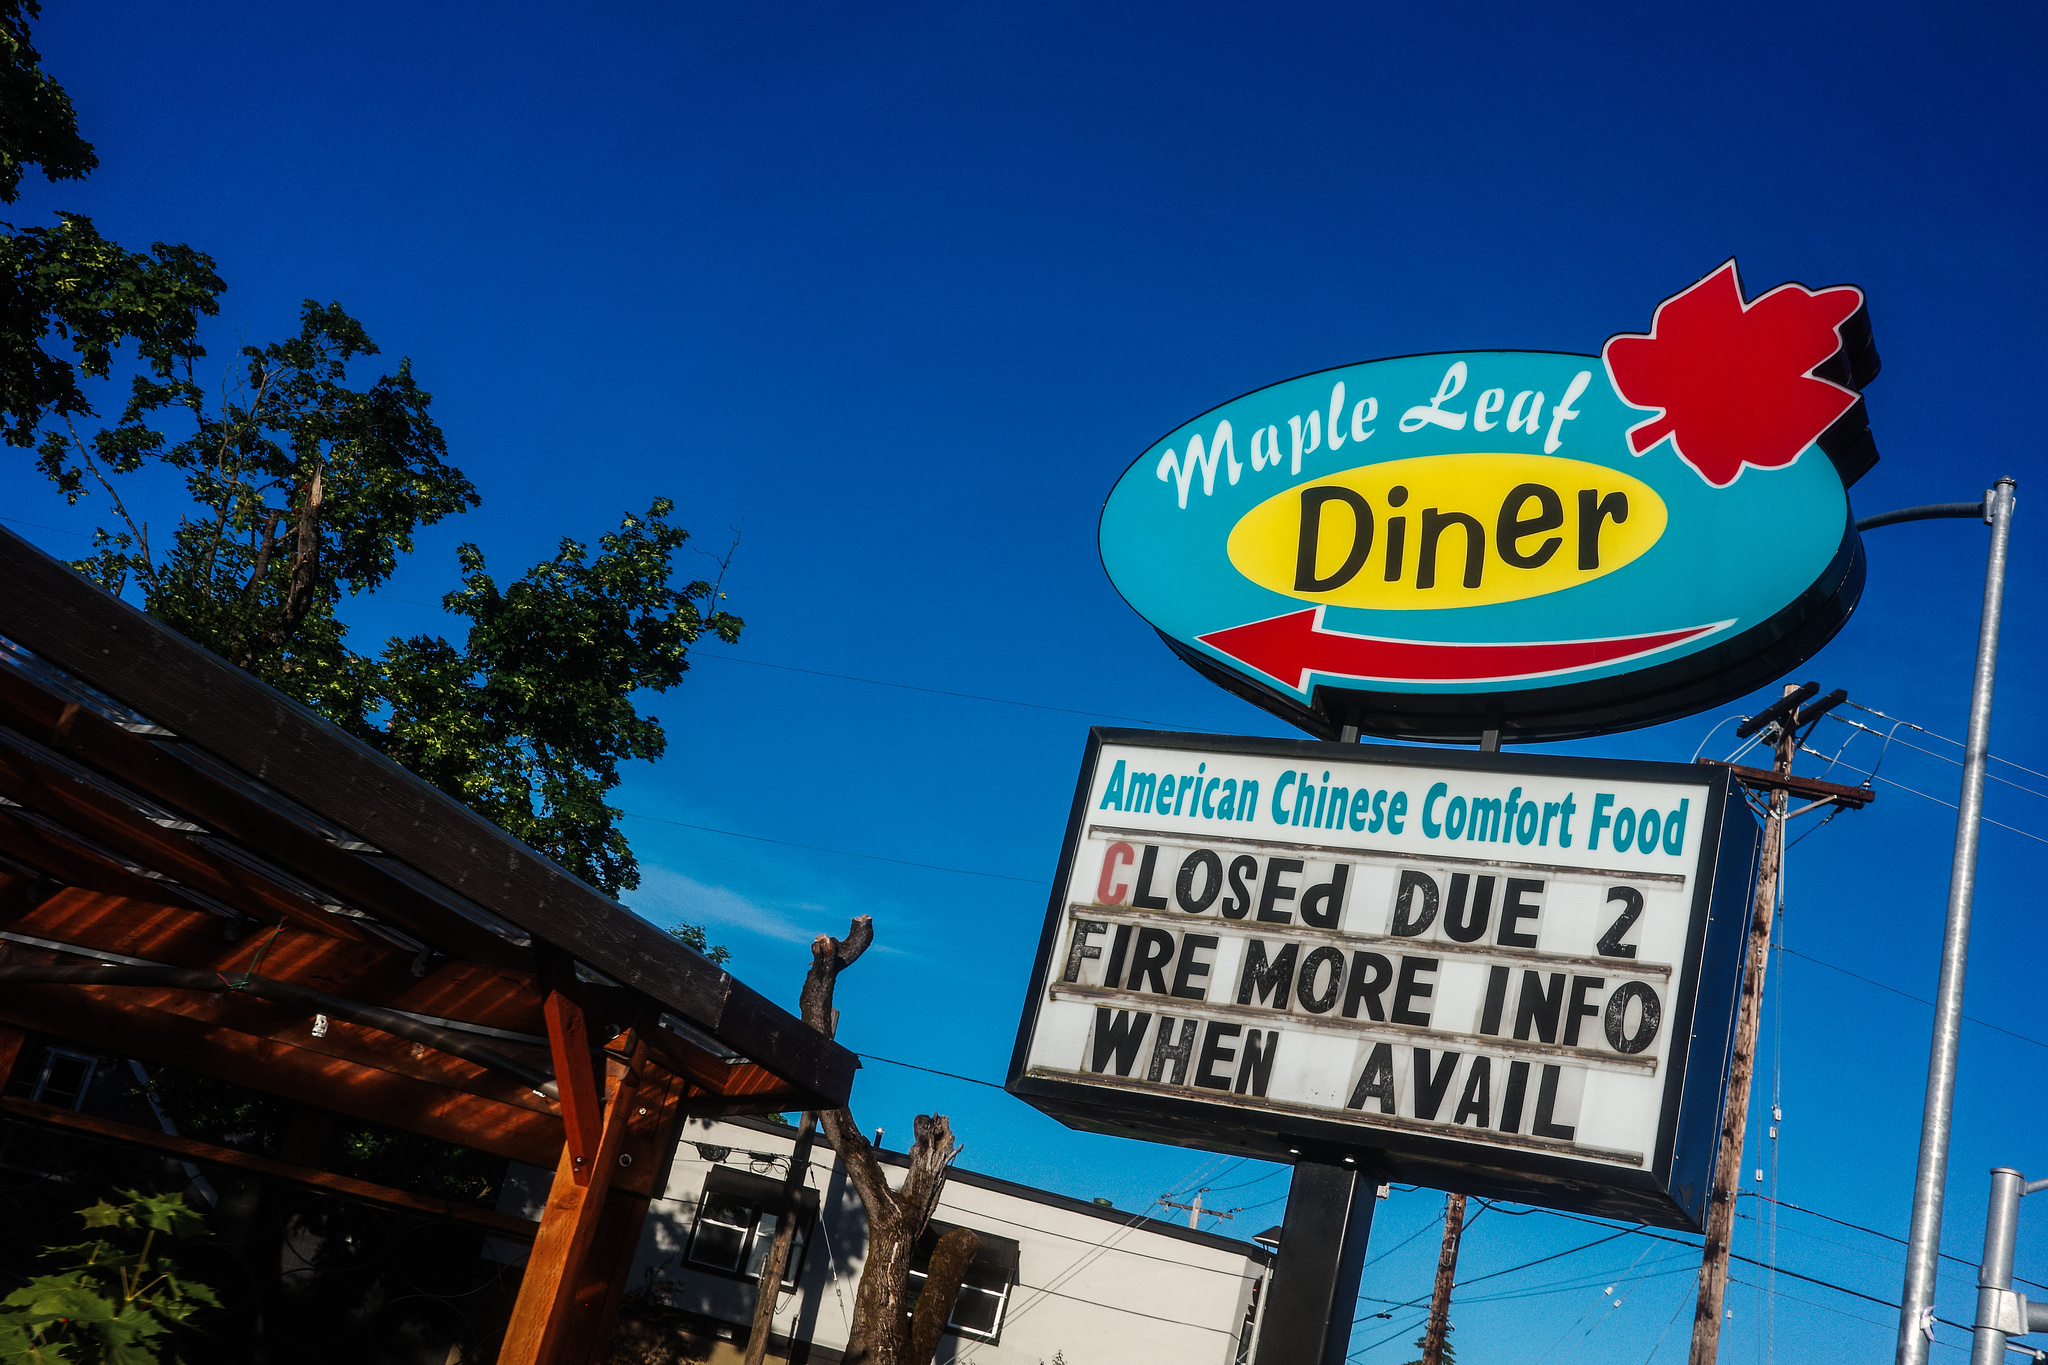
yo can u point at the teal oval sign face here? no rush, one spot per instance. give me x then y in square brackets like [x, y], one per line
[1543, 544]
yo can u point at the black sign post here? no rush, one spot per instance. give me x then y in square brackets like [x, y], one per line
[1307, 1319]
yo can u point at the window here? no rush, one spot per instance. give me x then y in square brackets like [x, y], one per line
[736, 1222]
[984, 1289]
[65, 1078]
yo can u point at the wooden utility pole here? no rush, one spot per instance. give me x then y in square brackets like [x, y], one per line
[1713, 1283]
[1446, 1275]
[776, 1266]
[1195, 1210]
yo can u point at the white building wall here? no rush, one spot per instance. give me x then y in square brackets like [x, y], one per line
[1099, 1286]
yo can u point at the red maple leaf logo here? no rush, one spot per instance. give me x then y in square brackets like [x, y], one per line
[1731, 382]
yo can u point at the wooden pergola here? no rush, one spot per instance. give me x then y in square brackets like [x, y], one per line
[198, 872]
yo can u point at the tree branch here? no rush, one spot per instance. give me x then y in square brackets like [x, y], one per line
[140, 530]
[829, 957]
[263, 553]
[298, 600]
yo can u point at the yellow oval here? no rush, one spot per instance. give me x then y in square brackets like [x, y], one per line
[1447, 531]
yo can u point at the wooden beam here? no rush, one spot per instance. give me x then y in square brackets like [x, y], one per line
[741, 1080]
[1811, 788]
[109, 909]
[582, 1116]
[649, 1145]
[30, 777]
[498, 1126]
[56, 852]
[189, 1149]
[234, 806]
[372, 971]
[601, 1281]
[557, 1311]
[202, 1014]
[643, 1165]
[80, 628]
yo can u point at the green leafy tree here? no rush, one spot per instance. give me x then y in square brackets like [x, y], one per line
[304, 482]
[40, 129]
[301, 485]
[530, 718]
[695, 937]
[68, 296]
[1422, 1344]
[118, 1299]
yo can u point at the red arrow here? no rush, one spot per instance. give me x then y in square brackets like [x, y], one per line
[1290, 647]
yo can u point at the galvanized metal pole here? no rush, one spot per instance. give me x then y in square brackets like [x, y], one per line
[1994, 1274]
[1923, 1242]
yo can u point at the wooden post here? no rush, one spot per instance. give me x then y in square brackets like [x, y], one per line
[569, 1043]
[650, 1142]
[785, 1237]
[558, 1308]
[1446, 1275]
[1713, 1281]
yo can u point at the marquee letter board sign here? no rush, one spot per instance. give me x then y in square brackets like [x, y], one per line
[1544, 544]
[1505, 975]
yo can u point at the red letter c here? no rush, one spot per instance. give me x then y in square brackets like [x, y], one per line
[1118, 855]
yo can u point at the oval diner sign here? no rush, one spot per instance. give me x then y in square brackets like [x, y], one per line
[1544, 544]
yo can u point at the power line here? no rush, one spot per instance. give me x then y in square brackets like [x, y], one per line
[1605, 1313]
[1746, 1260]
[1906, 994]
[1215, 1189]
[842, 852]
[1121, 1251]
[1399, 1332]
[1176, 1322]
[1893, 782]
[1872, 1252]
[1946, 740]
[1873, 1232]
[1101, 1248]
[1586, 1282]
[932, 691]
[17, 521]
[1944, 758]
[912, 1066]
[1430, 1226]
[1526, 1265]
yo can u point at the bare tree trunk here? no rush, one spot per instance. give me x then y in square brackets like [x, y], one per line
[785, 1236]
[897, 1218]
[950, 1259]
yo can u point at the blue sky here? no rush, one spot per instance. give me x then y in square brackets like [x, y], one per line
[901, 293]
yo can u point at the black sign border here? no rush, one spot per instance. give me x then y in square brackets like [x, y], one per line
[1668, 1191]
